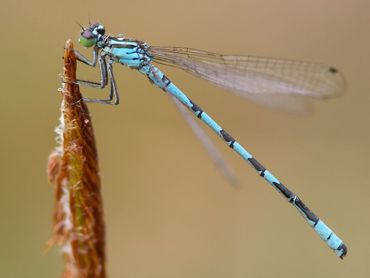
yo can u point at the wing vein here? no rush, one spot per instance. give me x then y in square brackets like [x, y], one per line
[253, 75]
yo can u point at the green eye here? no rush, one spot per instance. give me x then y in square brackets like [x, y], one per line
[86, 42]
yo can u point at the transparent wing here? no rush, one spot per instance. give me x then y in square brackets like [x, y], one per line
[215, 155]
[293, 104]
[248, 75]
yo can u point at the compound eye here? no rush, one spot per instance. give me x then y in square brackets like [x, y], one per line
[101, 30]
[87, 34]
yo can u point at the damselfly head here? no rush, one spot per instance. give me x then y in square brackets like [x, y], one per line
[91, 34]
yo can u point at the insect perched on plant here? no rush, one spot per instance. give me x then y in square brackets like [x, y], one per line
[257, 78]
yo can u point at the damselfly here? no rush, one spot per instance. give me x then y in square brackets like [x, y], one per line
[253, 77]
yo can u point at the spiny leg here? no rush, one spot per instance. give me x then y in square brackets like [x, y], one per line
[105, 70]
[113, 98]
[103, 76]
[91, 63]
[85, 60]
[113, 94]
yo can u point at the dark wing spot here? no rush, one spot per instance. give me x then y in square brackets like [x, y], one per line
[333, 70]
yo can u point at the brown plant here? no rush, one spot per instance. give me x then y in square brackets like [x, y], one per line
[73, 169]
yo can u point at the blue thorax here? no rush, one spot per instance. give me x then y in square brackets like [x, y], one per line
[128, 52]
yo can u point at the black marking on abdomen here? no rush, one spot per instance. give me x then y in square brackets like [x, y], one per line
[196, 109]
[294, 199]
[257, 166]
[228, 138]
[309, 214]
[285, 191]
[165, 81]
[149, 78]
[342, 247]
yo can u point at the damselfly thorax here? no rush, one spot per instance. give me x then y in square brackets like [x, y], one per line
[128, 52]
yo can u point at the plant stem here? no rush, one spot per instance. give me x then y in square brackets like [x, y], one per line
[74, 170]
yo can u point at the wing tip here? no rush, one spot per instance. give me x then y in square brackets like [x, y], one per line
[340, 85]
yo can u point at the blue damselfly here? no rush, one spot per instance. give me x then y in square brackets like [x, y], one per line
[257, 78]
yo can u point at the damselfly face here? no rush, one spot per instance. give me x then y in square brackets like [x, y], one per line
[90, 35]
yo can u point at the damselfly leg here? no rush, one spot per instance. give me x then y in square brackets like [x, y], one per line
[85, 60]
[105, 65]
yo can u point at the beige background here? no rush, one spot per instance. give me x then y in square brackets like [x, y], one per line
[169, 213]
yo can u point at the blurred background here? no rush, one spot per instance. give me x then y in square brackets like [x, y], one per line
[168, 211]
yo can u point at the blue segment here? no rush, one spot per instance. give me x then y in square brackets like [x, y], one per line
[334, 242]
[240, 150]
[322, 230]
[270, 178]
[211, 123]
[179, 95]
